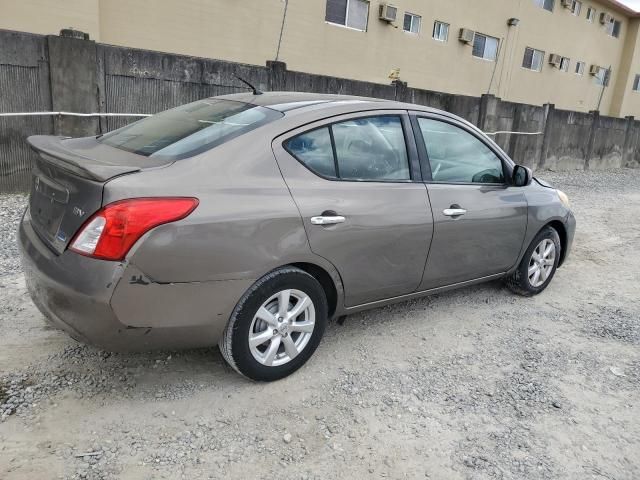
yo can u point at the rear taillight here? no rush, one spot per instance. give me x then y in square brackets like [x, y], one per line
[111, 232]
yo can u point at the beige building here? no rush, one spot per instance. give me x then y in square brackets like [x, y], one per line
[531, 51]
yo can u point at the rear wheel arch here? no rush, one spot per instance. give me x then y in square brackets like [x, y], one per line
[325, 280]
[237, 343]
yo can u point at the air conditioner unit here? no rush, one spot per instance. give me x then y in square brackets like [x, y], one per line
[388, 13]
[555, 59]
[567, 3]
[466, 35]
[594, 70]
[605, 18]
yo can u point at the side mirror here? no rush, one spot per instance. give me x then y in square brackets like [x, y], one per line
[522, 176]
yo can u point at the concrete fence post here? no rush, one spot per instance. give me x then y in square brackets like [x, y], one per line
[101, 79]
[515, 126]
[277, 75]
[402, 90]
[549, 111]
[74, 86]
[595, 123]
[487, 112]
[627, 149]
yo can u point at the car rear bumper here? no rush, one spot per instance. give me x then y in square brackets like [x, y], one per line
[114, 306]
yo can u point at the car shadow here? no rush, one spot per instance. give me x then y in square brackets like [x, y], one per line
[86, 371]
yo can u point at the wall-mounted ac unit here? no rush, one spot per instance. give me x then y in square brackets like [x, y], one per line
[466, 35]
[605, 18]
[567, 3]
[555, 59]
[388, 12]
[594, 69]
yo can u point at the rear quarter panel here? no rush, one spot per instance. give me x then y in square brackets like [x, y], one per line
[245, 225]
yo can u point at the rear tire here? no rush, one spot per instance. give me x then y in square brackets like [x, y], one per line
[276, 326]
[538, 265]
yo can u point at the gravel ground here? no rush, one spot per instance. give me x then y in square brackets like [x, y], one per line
[11, 208]
[472, 384]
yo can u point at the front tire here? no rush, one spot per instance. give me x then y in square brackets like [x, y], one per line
[538, 265]
[276, 326]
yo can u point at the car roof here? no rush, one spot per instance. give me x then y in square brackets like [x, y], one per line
[287, 101]
[300, 109]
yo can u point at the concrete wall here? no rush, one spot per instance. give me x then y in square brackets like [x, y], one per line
[247, 31]
[44, 73]
[516, 117]
[608, 143]
[24, 87]
[567, 139]
[141, 81]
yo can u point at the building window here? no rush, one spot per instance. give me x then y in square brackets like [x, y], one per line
[485, 47]
[579, 68]
[636, 84]
[412, 23]
[576, 7]
[533, 59]
[440, 31]
[591, 14]
[350, 13]
[602, 76]
[613, 27]
[546, 4]
[564, 64]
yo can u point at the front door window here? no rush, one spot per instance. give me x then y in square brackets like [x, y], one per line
[457, 156]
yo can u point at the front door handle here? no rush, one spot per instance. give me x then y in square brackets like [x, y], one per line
[327, 220]
[454, 212]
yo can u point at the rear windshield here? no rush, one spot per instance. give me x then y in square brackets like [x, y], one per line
[190, 129]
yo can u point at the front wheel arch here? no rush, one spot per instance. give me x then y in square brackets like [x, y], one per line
[558, 226]
[518, 280]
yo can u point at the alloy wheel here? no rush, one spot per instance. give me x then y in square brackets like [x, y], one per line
[542, 262]
[282, 327]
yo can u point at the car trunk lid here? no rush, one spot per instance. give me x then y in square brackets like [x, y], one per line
[67, 183]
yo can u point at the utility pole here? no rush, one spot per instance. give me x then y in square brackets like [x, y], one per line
[284, 17]
[495, 65]
[511, 22]
[605, 83]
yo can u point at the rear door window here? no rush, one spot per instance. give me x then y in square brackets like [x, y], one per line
[190, 129]
[361, 149]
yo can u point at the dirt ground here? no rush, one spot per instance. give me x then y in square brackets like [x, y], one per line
[472, 384]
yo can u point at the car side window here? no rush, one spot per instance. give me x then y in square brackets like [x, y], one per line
[369, 148]
[314, 150]
[457, 156]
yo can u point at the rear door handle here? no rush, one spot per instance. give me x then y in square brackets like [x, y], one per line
[327, 220]
[454, 212]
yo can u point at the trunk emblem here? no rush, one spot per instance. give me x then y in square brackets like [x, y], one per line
[77, 211]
